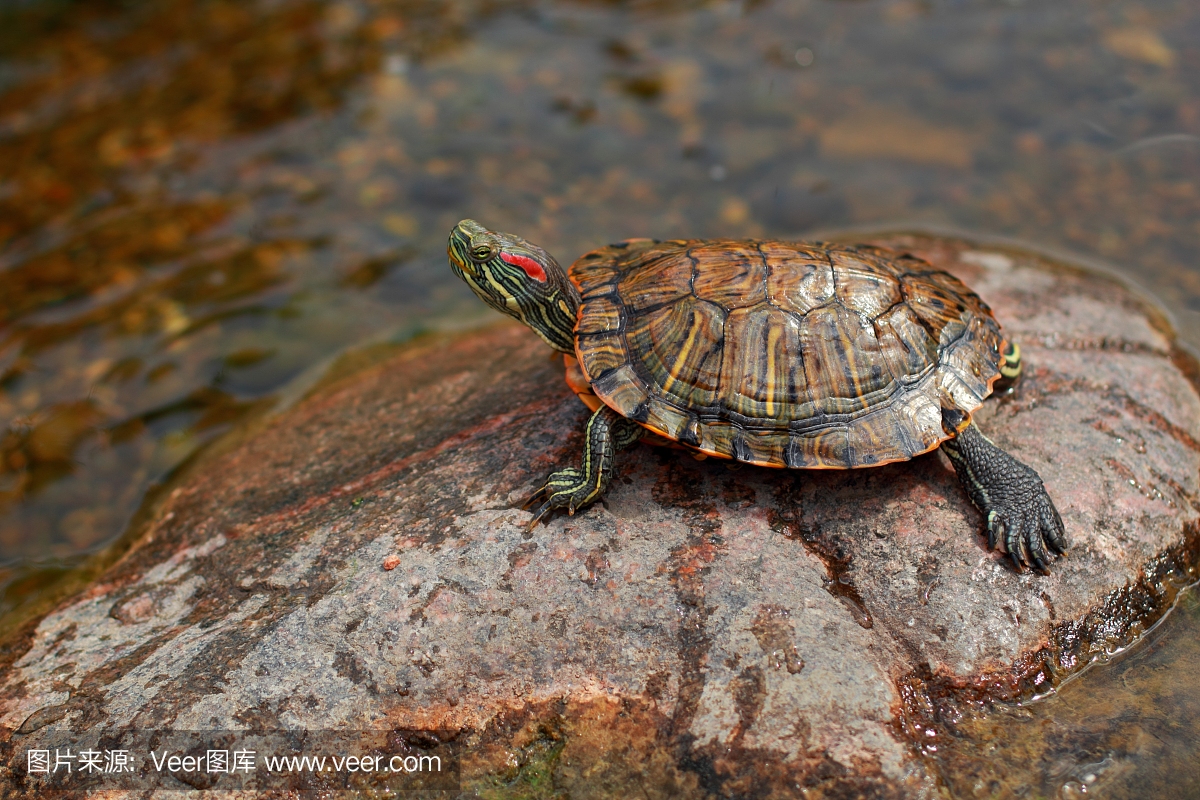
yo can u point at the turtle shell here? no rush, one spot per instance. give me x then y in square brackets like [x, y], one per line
[784, 354]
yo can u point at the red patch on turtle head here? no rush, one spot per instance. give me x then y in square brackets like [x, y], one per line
[532, 268]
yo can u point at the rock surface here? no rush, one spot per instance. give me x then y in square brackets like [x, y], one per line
[357, 563]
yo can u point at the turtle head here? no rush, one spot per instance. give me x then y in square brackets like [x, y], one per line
[518, 278]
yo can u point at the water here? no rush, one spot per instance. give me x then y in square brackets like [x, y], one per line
[1124, 729]
[201, 200]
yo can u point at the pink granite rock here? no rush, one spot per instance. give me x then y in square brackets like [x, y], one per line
[357, 563]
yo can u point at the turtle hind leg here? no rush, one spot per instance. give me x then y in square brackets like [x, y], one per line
[575, 487]
[1021, 517]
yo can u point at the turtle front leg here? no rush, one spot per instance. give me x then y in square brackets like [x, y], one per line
[1019, 513]
[575, 487]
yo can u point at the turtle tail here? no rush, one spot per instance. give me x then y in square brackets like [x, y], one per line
[1010, 367]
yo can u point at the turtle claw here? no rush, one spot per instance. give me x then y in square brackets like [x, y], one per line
[995, 529]
[542, 511]
[539, 504]
[568, 488]
[1052, 522]
[534, 499]
[1028, 528]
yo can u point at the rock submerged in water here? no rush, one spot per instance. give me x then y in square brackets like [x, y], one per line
[357, 563]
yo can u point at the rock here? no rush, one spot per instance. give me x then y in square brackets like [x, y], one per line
[357, 563]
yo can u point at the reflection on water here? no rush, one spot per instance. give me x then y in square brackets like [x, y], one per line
[201, 199]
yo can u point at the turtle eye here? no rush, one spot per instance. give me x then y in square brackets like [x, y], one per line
[482, 252]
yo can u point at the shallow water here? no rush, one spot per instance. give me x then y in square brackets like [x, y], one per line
[202, 201]
[1126, 728]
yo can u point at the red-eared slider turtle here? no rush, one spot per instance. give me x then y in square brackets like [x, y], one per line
[782, 354]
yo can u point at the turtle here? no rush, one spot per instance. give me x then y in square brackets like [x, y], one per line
[798, 355]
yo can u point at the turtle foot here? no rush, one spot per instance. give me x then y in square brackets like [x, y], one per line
[568, 488]
[1021, 518]
[1030, 529]
[573, 488]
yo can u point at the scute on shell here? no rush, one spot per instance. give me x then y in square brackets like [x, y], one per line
[783, 354]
